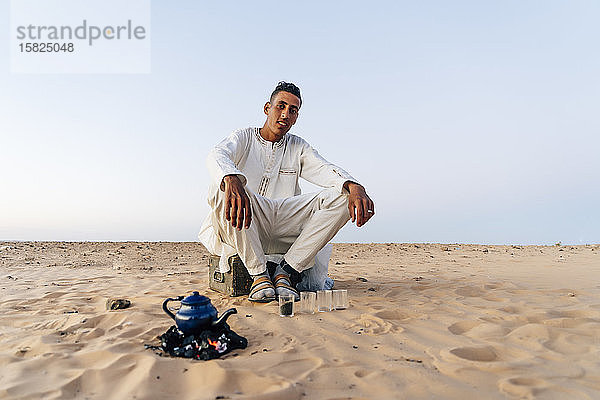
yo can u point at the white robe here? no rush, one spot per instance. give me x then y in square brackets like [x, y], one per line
[271, 170]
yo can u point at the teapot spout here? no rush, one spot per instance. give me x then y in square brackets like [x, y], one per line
[224, 316]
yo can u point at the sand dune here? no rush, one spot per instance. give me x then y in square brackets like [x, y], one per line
[427, 321]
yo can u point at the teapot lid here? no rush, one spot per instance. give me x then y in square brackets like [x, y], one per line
[196, 299]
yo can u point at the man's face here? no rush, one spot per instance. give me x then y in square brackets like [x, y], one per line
[282, 113]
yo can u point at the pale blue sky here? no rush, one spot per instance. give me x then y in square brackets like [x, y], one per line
[467, 121]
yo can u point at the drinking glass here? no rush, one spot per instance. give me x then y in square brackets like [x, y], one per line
[286, 305]
[340, 299]
[324, 300]
[307, 302]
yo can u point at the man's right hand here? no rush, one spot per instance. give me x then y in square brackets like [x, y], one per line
[237, 203]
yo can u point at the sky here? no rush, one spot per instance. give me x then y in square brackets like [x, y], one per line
[466, 121]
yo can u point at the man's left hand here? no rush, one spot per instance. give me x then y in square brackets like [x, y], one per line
[360, 205]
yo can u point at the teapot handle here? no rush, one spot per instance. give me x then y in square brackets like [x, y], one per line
[164, 306]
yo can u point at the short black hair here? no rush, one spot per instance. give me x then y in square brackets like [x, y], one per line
[286, 87]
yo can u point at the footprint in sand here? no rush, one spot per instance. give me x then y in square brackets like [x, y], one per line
[488, 354]
[478, 329]
[481, 354]
[362, 373]
[567, 344]
[460, 328]
[522, 387]
[395, 315]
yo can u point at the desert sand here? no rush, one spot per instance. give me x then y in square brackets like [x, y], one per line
[426, 321]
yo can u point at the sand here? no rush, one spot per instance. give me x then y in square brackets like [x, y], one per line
[426, 321]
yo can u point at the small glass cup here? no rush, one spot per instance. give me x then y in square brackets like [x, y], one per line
[340, 299]
[286, 305]
[307, 302]
[324, 300]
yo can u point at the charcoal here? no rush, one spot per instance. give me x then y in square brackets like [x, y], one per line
[208, 344]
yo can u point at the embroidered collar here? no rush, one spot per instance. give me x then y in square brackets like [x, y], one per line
[264, 142]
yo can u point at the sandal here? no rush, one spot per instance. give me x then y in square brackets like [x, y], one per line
[282, 281]
[261, 283]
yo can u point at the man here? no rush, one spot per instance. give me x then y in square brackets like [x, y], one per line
[257, 210]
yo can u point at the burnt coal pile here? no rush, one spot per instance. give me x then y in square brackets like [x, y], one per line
[208, 344]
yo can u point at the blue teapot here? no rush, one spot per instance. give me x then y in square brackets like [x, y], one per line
[196, 313]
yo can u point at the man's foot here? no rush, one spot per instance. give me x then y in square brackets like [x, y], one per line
[284, 267]
[262, 289]
[284, 281]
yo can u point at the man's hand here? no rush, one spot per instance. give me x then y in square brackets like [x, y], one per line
[360, 205]
[237, 203]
